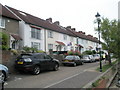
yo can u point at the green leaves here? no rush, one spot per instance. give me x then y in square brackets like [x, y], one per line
[111, 35]
[3, 41]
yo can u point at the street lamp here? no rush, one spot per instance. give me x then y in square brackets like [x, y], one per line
[98, 21]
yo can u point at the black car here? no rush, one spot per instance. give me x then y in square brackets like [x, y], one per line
[72, 60]
[35, 62]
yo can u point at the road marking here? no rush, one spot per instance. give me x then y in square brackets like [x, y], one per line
[63, 80]
[16, 78]
[5, 83]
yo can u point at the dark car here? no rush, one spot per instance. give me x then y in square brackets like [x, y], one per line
[72, 60]
[35, 62]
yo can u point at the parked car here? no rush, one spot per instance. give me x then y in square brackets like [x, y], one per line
[4, 73]
[96, 57]
[88, 58]
[72, 60]
[35, 62]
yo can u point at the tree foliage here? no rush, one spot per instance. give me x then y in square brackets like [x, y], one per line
[109, 33]
[3, 41]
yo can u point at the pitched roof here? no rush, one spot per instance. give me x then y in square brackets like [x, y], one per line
[30, 19]
[16, 37]
[33, 20]
[6, 13]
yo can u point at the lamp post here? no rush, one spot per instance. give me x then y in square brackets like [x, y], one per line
[98, 21]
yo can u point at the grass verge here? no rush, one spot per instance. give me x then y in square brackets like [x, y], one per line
[107, 66]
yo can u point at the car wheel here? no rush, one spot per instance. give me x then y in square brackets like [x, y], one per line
[36, 70]
[2, 76]
[82, 63]
[56, 67]
[74, 64]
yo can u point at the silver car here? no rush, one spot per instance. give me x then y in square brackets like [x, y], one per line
[88, 58]
[3, 73]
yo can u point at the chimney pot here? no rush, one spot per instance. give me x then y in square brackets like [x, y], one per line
[73, 29]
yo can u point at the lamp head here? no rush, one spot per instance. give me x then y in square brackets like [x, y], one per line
[97, 15]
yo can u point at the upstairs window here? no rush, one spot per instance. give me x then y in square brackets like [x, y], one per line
[50, 34]
[2, 23]
[65, 37]
[35, 33]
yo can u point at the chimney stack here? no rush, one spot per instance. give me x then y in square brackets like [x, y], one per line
[49, 19]
[68, 27]
[73, 29]
[57, 22]
[79, 31]
[83, 32]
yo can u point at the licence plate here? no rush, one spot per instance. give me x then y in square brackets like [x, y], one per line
[19, 62]
[66, 61]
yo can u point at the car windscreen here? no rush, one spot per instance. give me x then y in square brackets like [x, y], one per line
[69, 57]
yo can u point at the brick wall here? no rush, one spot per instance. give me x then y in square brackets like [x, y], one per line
[8, 59]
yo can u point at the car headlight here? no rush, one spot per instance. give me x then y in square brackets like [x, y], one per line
[27, 60]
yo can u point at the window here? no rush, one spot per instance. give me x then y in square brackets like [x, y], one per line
[47, 57]
[71, 39]
[65, 37]
[35, 33]
[35, 45]
[50, 34]
[2, 23]
[50, 46]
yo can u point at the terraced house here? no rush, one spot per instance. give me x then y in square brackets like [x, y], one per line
[9, 24]
[47, 35]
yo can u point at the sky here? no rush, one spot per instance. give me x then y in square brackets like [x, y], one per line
[79, 14]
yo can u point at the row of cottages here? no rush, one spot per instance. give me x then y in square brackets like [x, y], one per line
[31, 31]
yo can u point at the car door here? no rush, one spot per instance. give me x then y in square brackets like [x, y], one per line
[40, 60]
[48, 61]
[78, 59]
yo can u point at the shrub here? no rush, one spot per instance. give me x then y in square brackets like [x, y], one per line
[3, 47]
[77, 53]
[73, 53]
[70, 52]
[40, 51]
[87, 52]
[15, 52]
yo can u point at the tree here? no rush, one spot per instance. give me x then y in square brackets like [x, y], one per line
[3, 41]
[109, 30]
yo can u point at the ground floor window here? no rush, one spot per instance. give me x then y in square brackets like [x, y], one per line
[36, 45]
[50, 46]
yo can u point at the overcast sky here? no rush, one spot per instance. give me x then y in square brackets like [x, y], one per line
[78, 14]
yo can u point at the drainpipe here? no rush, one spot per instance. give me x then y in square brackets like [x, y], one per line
[45, 39]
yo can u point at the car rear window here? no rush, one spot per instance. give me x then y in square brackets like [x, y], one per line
[85, 56]
[25, 56]
[69, 57]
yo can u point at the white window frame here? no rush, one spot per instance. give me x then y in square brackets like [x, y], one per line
[2, 22]
[50, 46]
[36, 45]
[64, 36]
[35, 33]
[50, 34]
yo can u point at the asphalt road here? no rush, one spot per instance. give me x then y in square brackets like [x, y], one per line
[66, 77]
